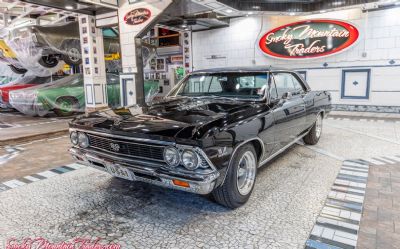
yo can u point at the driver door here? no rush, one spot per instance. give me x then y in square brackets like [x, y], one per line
[289, 112]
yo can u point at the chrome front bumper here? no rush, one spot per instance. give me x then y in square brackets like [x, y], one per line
[148, 174]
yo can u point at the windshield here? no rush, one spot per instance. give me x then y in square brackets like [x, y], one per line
[231, 85]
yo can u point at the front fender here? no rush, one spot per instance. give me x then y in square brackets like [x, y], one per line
[228, 141]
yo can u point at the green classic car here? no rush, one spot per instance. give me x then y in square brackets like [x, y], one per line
[66, 96]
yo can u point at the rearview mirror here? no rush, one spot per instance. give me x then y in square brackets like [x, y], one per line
[287, 95]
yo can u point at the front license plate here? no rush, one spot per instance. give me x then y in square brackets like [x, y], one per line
[120, 172]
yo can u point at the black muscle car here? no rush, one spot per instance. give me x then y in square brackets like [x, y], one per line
[209, 135]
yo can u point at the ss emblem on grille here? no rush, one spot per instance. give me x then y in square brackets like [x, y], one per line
[115, 147]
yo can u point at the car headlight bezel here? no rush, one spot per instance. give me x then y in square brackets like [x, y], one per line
[83, 140]
[74, 138]
[173, 151]
[190, 159]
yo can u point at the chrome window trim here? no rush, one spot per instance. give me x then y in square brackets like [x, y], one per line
[180, 85]
[281, 150]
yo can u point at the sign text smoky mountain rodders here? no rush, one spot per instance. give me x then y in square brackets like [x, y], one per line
[309, 39]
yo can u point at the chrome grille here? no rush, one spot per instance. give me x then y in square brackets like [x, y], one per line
[144, 151]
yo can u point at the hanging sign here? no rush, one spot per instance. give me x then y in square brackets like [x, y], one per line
[137, 16]
[309, 39]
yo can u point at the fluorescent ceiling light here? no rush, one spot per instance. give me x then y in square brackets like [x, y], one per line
[228, 11]
[69, 7]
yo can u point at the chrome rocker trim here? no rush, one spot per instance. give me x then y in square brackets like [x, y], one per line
[267, 159]
[281, 150]
[149, 175]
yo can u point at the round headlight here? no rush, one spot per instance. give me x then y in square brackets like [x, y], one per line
[190, 159]
[83, 140]
[171, 156]
[74, 138]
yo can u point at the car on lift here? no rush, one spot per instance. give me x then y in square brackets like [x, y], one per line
[21, 83]
[4, 80]
[8, 57]
[210, 134]
[55, 43]
[66, 96]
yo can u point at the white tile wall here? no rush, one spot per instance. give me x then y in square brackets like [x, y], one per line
[379, 39]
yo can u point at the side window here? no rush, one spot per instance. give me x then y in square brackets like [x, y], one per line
[273, 93]
[284, 83]
[287, 82]
[297, 85]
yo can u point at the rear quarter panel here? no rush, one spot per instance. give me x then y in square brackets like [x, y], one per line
[316, 102]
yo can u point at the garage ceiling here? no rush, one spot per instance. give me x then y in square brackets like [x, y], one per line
[291, 5]
[82, 7]
[196, 17]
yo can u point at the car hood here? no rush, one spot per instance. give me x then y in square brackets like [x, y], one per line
[178, 118]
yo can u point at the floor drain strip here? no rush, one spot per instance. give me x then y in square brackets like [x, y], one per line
[337, 225]
[11, 184]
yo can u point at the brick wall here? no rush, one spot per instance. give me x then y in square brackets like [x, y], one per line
[379, 40]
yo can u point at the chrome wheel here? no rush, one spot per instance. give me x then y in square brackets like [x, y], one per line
[318, 126]
[246, 173]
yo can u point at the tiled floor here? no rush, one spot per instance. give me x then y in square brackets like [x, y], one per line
[15, 127]
[380, 223]
[338, 223]
[33, 157]
[288, 199]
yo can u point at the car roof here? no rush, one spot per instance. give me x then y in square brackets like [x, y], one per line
[241, 69]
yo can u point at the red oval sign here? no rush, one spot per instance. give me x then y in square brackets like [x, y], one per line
[309, 39]
[137, 16]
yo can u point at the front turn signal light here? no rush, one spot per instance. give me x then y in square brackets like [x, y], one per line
[181, 183]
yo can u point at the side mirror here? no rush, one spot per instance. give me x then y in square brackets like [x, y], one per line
[287, 95]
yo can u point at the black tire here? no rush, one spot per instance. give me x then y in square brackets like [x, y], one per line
[72, 46]
[17, 70]
[48, 61]
[61, 111]
[228, 194]
[313, 135]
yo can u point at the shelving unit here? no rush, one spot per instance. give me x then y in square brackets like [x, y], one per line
[170, 57]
